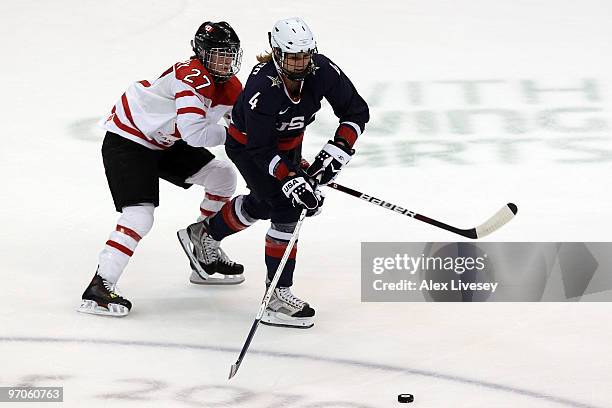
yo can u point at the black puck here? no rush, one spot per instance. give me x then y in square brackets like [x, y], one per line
[405, 398]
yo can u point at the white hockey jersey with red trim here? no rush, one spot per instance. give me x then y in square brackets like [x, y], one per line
[183, 103]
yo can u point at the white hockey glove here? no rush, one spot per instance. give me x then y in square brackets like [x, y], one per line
[328, 163]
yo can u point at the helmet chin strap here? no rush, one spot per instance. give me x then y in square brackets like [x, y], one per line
[287, 75]
[295, 96]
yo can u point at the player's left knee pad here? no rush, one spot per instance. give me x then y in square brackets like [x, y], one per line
[218, 177]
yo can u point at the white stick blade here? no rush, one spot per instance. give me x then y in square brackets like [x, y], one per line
[497, 221]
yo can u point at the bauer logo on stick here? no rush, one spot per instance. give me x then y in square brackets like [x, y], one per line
[495, 222]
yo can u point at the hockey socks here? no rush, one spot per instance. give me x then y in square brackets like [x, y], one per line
[231, 219]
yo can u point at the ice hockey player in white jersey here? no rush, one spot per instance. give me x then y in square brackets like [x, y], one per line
[161, 129]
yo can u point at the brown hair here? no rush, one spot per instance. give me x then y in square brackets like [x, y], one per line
[264, 57]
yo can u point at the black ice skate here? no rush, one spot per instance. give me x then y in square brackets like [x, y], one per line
[287, 310]
[210, 265]
[101, 298]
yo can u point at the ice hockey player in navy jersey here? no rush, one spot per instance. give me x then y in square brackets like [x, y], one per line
[160, 129]
[280, 99]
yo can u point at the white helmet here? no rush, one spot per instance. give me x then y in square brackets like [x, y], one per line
[292, 36]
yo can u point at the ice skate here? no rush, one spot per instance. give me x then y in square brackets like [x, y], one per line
[101, 298]
[210, 265]
[287, 310]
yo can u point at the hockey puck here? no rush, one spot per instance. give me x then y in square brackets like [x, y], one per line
[405, 398]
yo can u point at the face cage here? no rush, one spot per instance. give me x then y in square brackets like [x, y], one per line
[287, 68]
[222, 63]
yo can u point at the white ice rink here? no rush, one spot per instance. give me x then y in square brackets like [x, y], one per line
[474, 104]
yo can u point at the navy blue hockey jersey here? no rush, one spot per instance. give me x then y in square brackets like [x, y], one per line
[268, 122]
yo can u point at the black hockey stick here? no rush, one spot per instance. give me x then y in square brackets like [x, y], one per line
[266, 299]
[498, 220]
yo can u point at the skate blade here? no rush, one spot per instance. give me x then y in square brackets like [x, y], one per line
[183, 237]
[216, 279]
[113, 309]
[271, 318]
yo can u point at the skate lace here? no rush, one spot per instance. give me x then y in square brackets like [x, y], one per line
[286, 296]
[224, 258]
[211, 248]
[112, 288]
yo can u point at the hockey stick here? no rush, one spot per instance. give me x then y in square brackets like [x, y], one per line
[266, 299]
[499, 219]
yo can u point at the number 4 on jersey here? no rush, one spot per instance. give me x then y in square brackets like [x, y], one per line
[253, 101]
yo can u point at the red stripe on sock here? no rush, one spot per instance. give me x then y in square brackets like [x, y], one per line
[232, 221]
[206, 213]
[217, 197]
[277, 250]
[129, 232]
[120, 247]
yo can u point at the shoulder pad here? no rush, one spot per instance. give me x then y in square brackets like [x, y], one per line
[195, 75]
[324, 63]
[227, 92]
[264, 93]
[257, 68]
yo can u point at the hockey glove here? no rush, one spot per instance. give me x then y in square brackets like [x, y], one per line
[328, 163]
[320, 198]
[301, 192]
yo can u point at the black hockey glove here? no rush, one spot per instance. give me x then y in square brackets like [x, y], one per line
[301, 193]
[328, 163]
[320, 198]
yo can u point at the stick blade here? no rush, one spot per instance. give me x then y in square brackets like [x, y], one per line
[234, 369]
[501, 218]
[513, 208]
